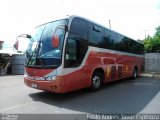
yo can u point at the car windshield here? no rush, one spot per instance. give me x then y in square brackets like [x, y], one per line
[40, 52]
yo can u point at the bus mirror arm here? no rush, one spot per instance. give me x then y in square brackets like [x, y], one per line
[25, 36]
[66, 27]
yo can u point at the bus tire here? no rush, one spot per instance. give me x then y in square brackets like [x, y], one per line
[135, 73]
[96, 81]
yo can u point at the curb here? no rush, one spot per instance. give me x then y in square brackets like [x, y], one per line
[152, 74]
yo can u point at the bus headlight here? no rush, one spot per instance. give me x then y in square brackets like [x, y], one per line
[50, 78]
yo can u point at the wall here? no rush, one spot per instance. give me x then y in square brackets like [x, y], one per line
[18, 62]
[152, 62]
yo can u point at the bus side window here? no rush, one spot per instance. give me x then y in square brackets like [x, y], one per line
[77, 44]
[96, 34]
[71, 53]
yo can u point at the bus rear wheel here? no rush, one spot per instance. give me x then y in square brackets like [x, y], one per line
[135, 73]
[96, 82]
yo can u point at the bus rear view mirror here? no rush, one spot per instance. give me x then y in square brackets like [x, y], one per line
[16, 45]
[55, 41]
[22, 43]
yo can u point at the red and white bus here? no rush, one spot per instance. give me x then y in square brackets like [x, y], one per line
[75, 53]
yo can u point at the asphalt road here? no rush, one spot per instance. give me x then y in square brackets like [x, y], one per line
[125, 96]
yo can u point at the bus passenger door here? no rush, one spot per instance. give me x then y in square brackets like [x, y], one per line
[75, 51]
[74, 55]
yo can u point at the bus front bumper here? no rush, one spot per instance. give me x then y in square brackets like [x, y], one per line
[55, 86]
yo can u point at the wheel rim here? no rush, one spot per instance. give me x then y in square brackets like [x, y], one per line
[96, 81]
[135, 74]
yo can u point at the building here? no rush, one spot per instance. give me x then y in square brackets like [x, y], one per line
[11, 62]
[1, 44]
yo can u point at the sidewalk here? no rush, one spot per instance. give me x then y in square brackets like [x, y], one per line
[151, 74]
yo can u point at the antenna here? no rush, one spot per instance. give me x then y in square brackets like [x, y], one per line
[110, 24]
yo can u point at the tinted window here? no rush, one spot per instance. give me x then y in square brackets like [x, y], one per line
[125, 45]
[79, 27]
[129, 45]
[105, 38]
[118, 43]
[96, 35]
[77, 44]
[108, 40]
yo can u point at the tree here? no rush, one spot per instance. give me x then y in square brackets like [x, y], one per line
[152, 44]
[157, 34]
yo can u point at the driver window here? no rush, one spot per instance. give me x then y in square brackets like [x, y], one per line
[76, 44]
[71, 53]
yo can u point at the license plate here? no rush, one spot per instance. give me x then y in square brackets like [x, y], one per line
[34, 85]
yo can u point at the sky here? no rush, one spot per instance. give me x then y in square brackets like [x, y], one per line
[133, 18]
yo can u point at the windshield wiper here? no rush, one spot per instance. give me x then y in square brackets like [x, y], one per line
[45, 66]
[30, 59]
[36, 54]
[41, 62]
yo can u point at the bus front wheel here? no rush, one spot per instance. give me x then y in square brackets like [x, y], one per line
[96, 82]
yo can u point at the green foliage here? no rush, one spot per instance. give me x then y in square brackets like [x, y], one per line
[152, 44]
[157, 34]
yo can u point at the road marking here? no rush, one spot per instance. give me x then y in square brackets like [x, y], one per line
[14, 107]
[144, 84]
[153, 106]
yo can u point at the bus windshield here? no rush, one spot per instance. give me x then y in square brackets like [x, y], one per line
[40, 52]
